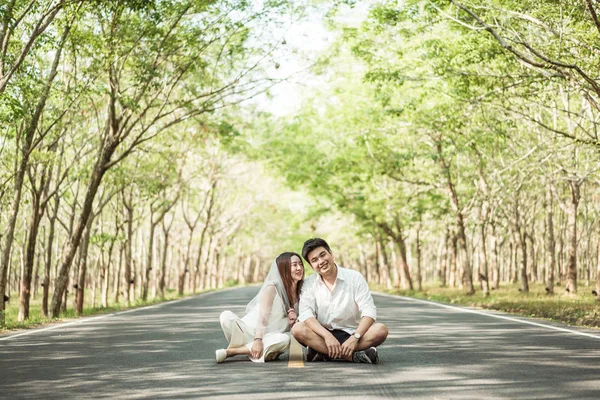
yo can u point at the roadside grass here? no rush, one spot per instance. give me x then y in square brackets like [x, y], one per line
[581, 309]
[35, 309]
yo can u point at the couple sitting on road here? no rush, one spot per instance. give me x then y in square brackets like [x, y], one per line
[334, 317]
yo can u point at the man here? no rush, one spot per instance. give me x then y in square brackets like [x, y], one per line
[337, 314]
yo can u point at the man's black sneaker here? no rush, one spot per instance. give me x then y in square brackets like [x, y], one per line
[313, 355]
[367, 356]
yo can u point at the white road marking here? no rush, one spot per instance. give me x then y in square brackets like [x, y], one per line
[487, 314]
[88, 319]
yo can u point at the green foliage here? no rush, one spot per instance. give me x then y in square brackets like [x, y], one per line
[102, 239]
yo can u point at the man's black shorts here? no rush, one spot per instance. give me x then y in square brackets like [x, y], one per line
[340, 335]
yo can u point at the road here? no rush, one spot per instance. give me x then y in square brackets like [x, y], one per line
[433, 352]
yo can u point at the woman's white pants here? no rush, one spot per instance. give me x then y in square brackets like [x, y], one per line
[238, 333]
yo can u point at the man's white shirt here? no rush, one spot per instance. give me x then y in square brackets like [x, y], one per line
[343, 307]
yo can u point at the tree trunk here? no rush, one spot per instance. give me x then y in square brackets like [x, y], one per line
[386, 271]
[34, 224]
[98, 172]
[406, 280]
[149, 258]
[106, 277]
[200, 270]
[571, 285]
[128, 280]
[442, 259]
[524, 280]
[36, 276]
[598, 273]
[163, 262]
[204, 267]
[210, 278]
[186, 264]
[256, 271]
[83, 267]
[247, 266]
[550, 243]
[496, 259]
[458, 213]
[48, 262]
[94, 275]
[453, 260]
[218, 282]
[117, 278]
[419, 277]
[533, 255]
[484, 270]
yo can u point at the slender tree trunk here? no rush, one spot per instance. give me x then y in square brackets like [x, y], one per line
[204, 267]
[148, 260]
[407, 282]
[453, 260]
[163, 261]
[598, 273]
[247, 266]
[497, 274]
[521, 236]
[442, 256]
[48, 262]
[460, 224]
[571, 285]
[211, 278]
[128, 279]
[83, 263]
[419, 277]
[34, 224]
[200, 270]
[524, 280]
[550, 243]
[256, 270]
[183, 272]
[362, 261]
[484, 270]
[107, 275]
[117, 278]
[36, 276]
[215, 283]
[94, 275]
[387, 274]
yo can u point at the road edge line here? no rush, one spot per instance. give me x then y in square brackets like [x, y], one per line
[489, 314]
[82, 320]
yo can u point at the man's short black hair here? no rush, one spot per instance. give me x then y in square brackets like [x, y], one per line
[312, 244]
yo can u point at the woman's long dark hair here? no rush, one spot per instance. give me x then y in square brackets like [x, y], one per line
[284, 266]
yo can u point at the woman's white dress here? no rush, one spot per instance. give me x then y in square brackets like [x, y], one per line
[270, 317]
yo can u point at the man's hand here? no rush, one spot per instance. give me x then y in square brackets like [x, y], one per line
[334, 347]
[349, 347]
[257, 349]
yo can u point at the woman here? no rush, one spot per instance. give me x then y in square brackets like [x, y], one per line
[259, 334]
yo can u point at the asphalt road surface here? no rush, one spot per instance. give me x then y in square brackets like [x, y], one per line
[168, 351]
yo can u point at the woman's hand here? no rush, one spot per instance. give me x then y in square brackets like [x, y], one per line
[257, 348]
[292, 317]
